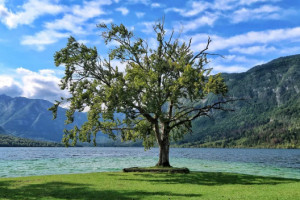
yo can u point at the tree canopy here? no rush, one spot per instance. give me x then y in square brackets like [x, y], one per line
[157, 96]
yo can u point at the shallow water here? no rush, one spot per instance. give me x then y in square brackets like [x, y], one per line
[15, 162]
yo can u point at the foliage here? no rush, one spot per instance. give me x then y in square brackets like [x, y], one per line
[158, 93]
[11, 141]
[128, 186]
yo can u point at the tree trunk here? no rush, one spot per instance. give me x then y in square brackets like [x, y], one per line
[164, 148]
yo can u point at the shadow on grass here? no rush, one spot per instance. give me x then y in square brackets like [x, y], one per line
[64, 190]
[211, 179]
[36, 189]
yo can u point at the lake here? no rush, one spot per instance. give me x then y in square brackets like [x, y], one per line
[18, 161]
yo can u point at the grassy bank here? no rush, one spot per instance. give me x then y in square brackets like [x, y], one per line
[129, 186]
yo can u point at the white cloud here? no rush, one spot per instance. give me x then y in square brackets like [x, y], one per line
[263, 12]
[73, 22]
[236, 58]
[152, 43]
[232, 63]
[249, 2]
[121, 65]
[148, 27]
[123, 10]
[253, 50]
[228, 9]
[90, 9]
[69, 23]
[229, 69]
[40, 39]
[36, 85]
[208, 12]
[105, 21]
[40, 85]
[224, 4]
[290, 50]
[155, 5]
[140, 14]
[250, 38]
[83, 41]
[198, 7]
[145, 2]
[9, 87]
[46, 72]
[178, 10]
[205, 20]
[29, 12]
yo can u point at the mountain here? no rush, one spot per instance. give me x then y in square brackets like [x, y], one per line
[30, 118]
[2, 131]
[268, 117]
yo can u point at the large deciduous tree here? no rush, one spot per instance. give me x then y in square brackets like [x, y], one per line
[158, 94]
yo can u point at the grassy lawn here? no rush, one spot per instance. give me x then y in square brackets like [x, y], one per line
[129, 186]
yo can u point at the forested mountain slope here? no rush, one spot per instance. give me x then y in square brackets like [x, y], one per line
[269, 117]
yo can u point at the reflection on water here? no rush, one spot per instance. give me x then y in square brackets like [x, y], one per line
[40, 161]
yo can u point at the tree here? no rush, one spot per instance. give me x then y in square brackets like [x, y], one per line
[158, 94]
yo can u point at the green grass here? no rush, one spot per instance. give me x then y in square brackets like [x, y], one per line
[129, 186]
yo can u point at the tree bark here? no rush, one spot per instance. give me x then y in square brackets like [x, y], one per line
[164, 148]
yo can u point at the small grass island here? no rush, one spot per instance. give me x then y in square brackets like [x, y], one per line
[158, 169]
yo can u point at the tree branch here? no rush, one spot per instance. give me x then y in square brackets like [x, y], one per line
[202, 111]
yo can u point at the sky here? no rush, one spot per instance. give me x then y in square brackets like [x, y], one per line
[246, 32]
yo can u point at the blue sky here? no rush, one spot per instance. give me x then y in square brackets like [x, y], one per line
[246, 32]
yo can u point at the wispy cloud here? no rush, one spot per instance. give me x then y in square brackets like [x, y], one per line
[250, 38]
[69, 22]
[145, 2]
[43, 38]
[229, 68]
[105, 21]
[232, 63]
[140, 14]
[264, 12]
[148, 27]
[74, 21]
[252, 50]
[194, 9]
[155, 5]
[123, 10]
[207, 12]
[28, 13]
[206, 20]
[249, 2]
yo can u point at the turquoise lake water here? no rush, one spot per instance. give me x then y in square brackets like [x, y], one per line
[16, 162]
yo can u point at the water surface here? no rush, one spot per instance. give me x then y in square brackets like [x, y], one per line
[15, 162]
